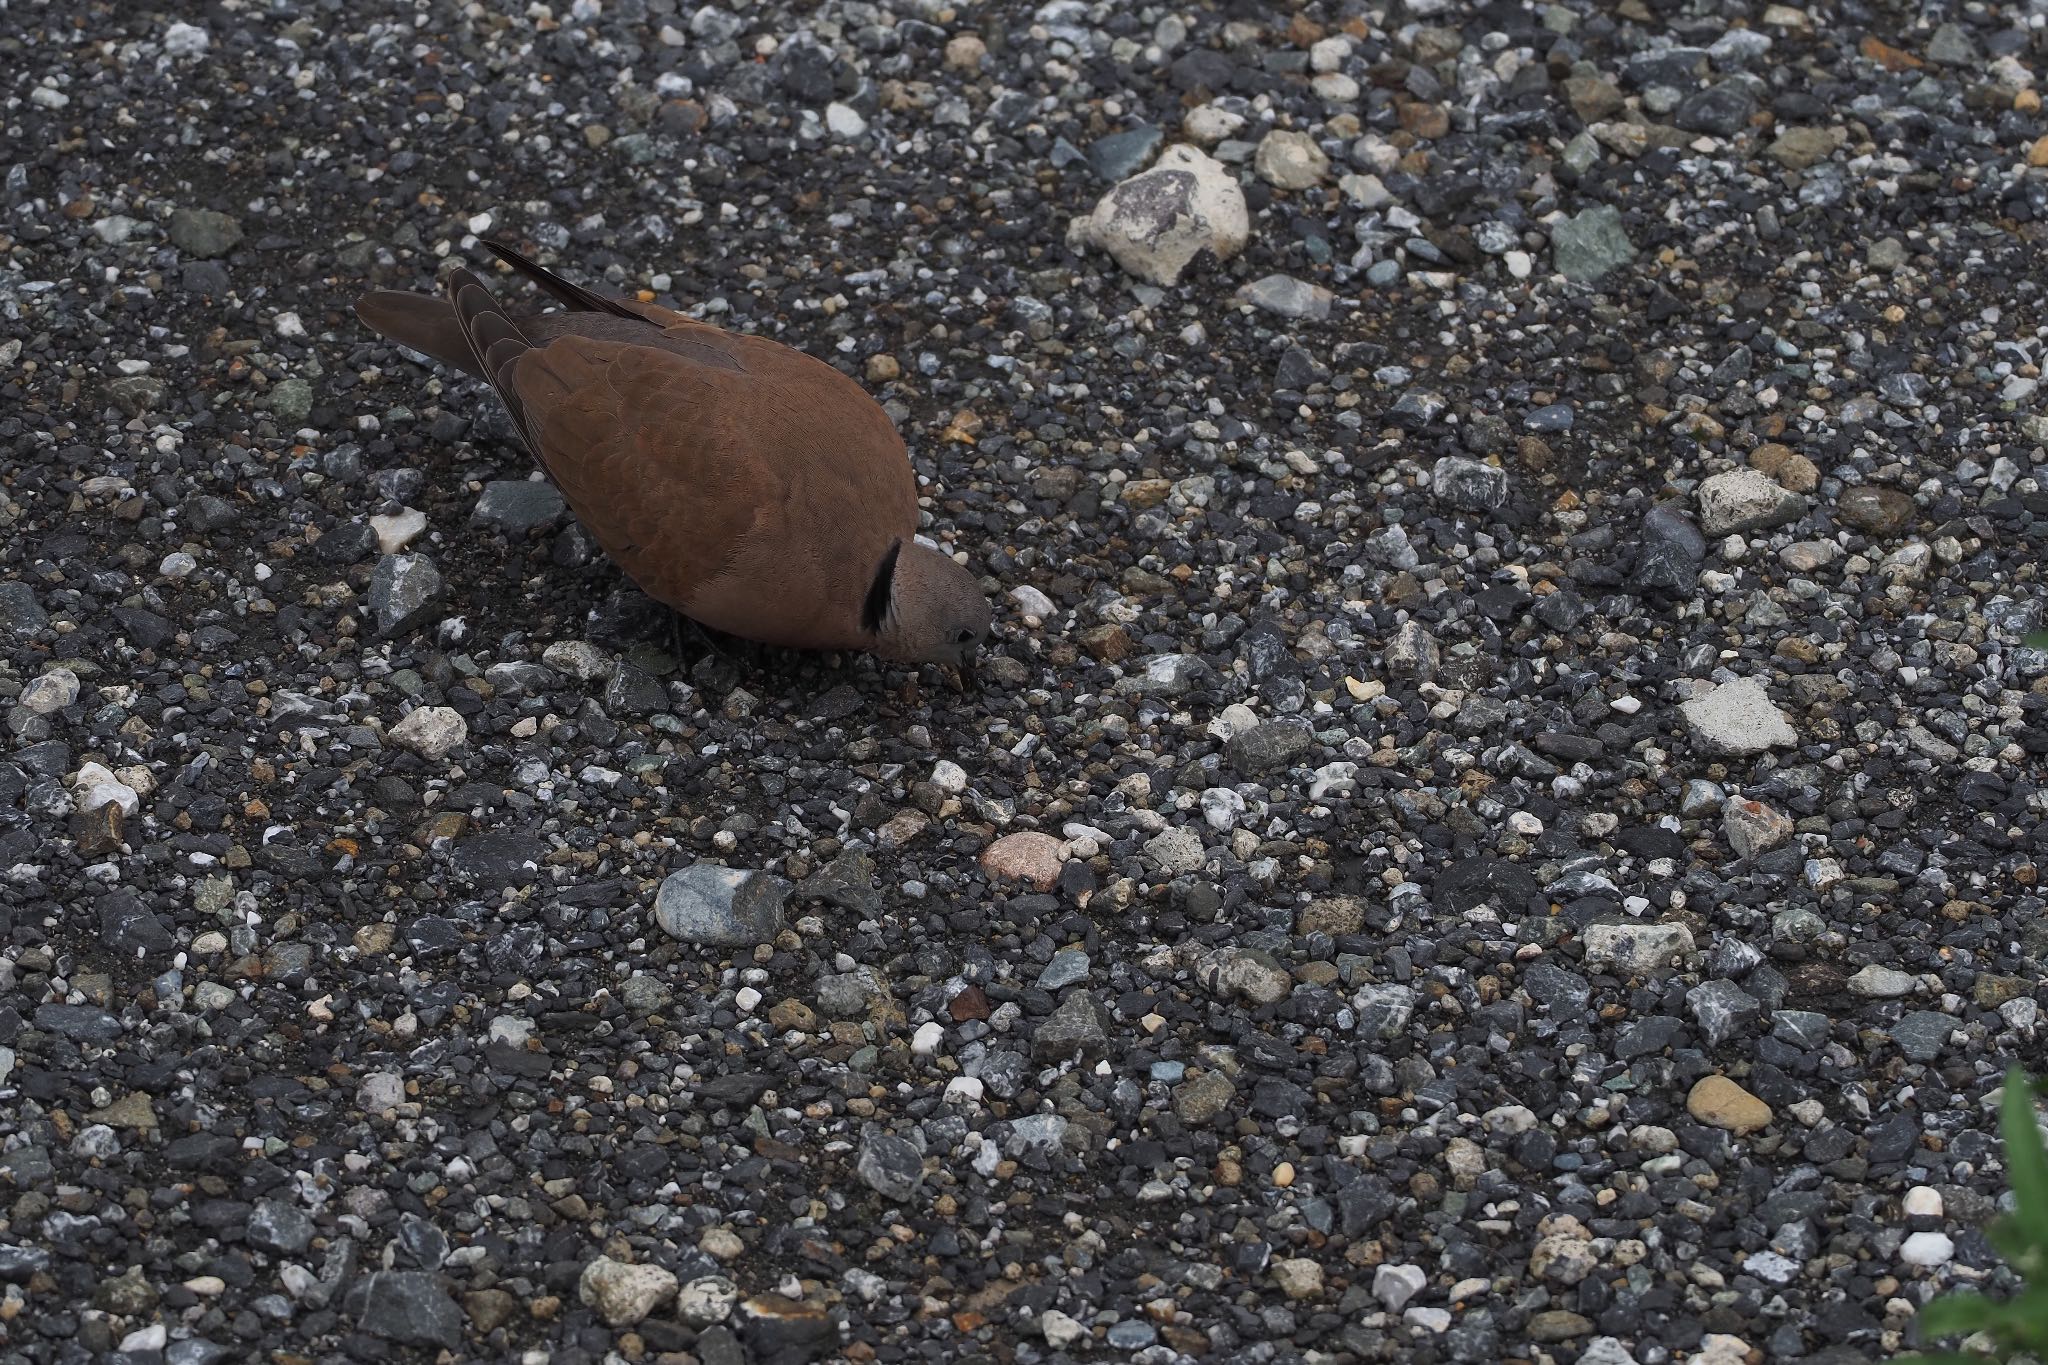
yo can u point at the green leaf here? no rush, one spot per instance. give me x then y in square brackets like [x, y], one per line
[2036, 639]
[2026, 1156]
[2014, 1241]
[1941, 1358]
[1955, 1314]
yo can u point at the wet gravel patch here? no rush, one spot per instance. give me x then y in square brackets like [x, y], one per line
[1504, 823]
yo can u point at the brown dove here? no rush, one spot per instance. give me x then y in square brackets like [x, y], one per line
[749, 486]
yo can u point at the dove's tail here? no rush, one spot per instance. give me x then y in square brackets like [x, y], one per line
[420, 322]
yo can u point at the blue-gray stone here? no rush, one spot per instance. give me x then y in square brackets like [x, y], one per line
[721, 907]
[1068, 966]
[888, 1165]
[519, 505]
[1923, 1034]
[1590, 243]
[1121, 154]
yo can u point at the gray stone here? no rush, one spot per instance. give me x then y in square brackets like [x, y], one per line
[1590, 243]
[79, 1023]
[1268, 747]
[1412, 653]
[1119, 154]
[1284, 296]
[1722, 109]
[405, 593]
[430, 731]
[1394, 1285]
[1923, 1034]
[1076, 1026]
[889, 1165]
[291, 400]
[1468, 484]
[1952, 45]
[721, 907]
[1041, 1135]
[204, 232]
[1722, 1009]
[1881, 983]
[1384, 1010]
[410, 1307]
[1176, 850]
[1249, 974]
[852, 995]
[519, 506]
[1802, 1028]
[1636, 949]
[20, 613]
[632, 691]
[136, 394]
[1068, 966]
[279, 1228]
[1200, 1102]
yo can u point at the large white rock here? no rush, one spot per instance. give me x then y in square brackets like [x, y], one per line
[1155, 223]
[1744, 500]
[430, 731]
[1738, 718]
[625, 1294]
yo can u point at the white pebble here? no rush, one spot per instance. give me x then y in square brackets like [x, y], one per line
[1923, 1201]
[289, 325]
[185, 40]
[1032, 602]
[1928, 1249]
[746, 999]
[925, 1042]
[844, 121]
[949, 777]
[398, 530]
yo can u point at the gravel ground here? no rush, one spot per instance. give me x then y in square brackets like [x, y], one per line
[1504, 824]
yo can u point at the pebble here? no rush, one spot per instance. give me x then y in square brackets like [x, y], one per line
[721, 907]
[1029, 856]
[1637, 949]
[432, 732]
[1876, 982]
[1284, 296]
[204, 233]
[1745, 500]
[1737, 718]
[1927, 1250]
[625, 1294]
[1290, 161]
[1721, 1103]
[1588, 245]
[1157, 222]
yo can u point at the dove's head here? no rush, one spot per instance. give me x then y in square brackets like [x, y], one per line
[926, 609]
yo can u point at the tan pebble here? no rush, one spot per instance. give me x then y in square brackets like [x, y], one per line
[1721, 1103]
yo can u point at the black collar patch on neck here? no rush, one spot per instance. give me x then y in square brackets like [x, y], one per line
[876, 607]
